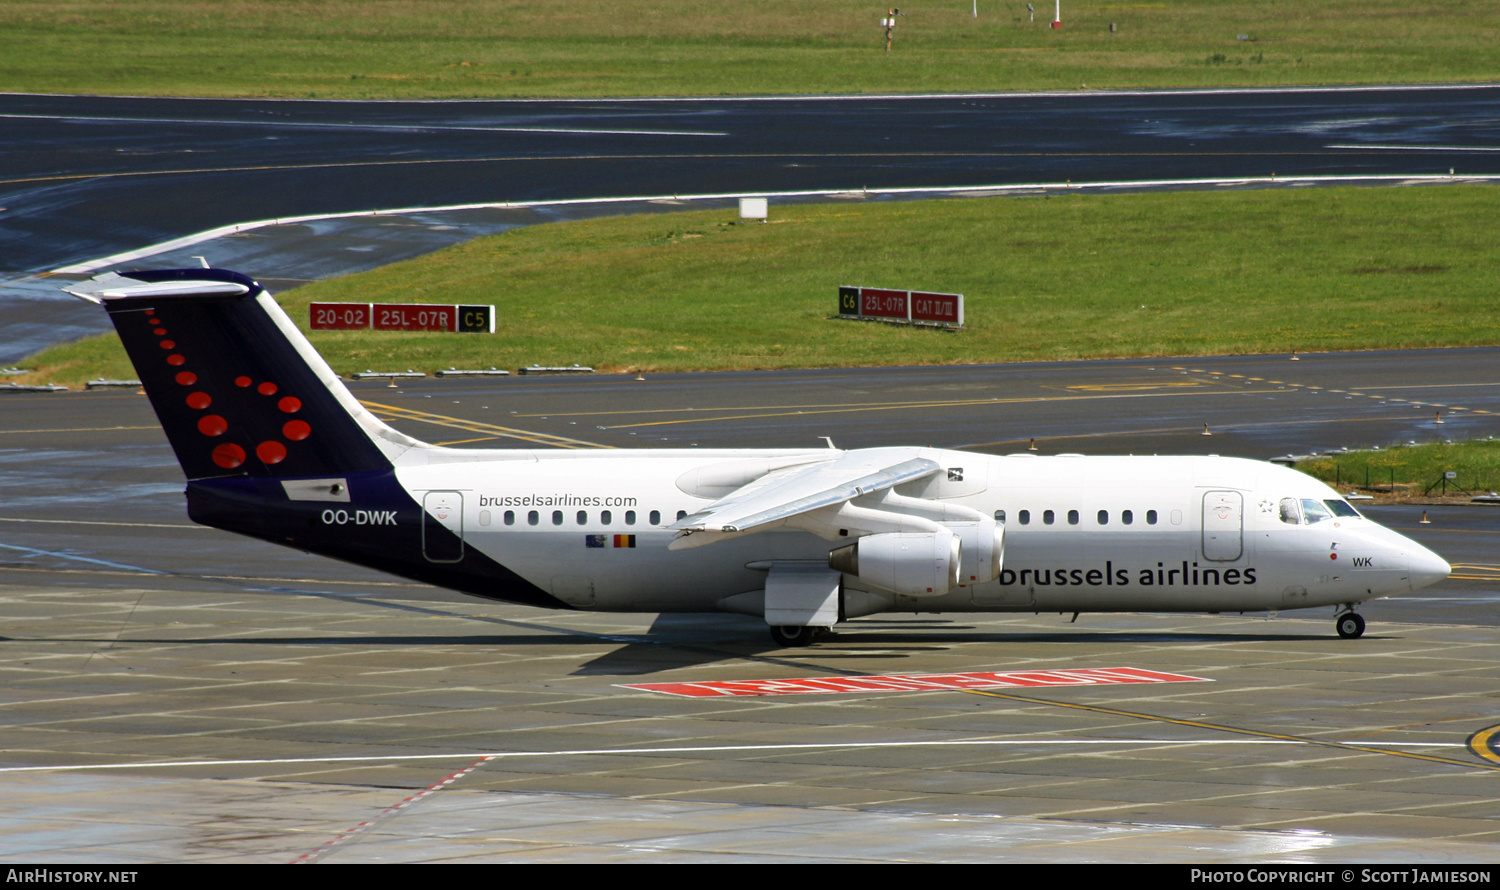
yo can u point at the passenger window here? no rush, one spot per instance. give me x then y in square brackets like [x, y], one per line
[681, 514]
[1314, 511]
[484, 517]
[999, 515]
[583, 517]
[1341, 508]
[656, 517]
[1176, 517]
[1025, 517]
[605, 516]
[1048, 516]
[557, 517]
[1150, 517]
[532, 518]
[630, 517]
[1289, 512]
[510, 517]
[1072, 517]
[1126, 517]
[1104, 517]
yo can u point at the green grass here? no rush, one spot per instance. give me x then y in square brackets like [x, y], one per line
[502, 48]
[1066, 277]
[1412, 469]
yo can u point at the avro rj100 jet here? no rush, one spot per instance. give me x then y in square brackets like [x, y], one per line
[275, 447]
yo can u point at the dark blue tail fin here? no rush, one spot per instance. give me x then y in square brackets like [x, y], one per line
[238, 389]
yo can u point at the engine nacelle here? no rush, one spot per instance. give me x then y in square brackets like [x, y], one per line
[983, 545]
[914, 564]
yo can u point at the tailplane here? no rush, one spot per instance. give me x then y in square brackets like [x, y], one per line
[237, 388]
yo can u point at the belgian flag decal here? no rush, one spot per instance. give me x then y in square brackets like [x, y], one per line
[605, 540]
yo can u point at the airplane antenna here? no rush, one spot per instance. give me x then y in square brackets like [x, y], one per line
[203, 261]
[829, 440]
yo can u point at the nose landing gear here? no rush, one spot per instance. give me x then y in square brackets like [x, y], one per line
[1351, 626]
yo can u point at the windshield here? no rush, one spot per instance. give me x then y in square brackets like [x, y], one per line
[1289, 512]
[1341, 508]
[1314, 511]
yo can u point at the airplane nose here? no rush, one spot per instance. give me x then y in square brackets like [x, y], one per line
[1426, 567]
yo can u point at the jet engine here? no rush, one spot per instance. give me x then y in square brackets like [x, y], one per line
[983, 545]
[914, 564]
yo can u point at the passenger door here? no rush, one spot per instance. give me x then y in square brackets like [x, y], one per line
[1223, 525]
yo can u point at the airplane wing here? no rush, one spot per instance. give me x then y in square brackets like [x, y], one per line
[784, 494]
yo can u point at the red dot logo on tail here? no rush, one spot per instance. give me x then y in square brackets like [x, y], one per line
[229, 455]
[271, 451]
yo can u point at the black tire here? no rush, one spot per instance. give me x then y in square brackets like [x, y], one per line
[792, 635]
[1351, 625]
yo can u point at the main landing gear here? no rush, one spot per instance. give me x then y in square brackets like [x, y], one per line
[1351, 625]
[787, 635]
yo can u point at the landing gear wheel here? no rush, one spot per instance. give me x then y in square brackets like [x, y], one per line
[1351, 625]
[793, 635]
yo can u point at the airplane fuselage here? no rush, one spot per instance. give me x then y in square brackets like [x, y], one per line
[1081, 533]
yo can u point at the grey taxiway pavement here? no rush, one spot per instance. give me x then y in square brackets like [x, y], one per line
[174, 693]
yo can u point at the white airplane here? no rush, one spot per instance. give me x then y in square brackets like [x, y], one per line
[275, 447]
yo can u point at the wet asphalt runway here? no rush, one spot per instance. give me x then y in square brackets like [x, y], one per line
[175, 693]
[75, 170]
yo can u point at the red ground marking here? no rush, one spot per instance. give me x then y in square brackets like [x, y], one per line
[919, 682]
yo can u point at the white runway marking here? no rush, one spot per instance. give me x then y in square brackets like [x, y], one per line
[1375, 147]
[708, 749]
[101, 562]
[238, 228]
[313, 125]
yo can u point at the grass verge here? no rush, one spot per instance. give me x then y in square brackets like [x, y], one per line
[1412, 471]
[1045, 278]
[533, 48]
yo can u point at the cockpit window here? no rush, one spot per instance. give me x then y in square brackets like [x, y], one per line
[1314, 511]
[1290, 514]
[1341, 508]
